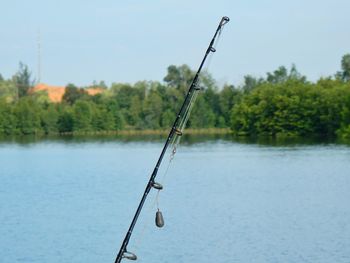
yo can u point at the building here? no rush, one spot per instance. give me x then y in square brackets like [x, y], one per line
[55, 93]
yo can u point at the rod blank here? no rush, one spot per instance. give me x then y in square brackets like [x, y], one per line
[123, 253]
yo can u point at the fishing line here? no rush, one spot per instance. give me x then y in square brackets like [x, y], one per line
[155, 202]
[177, 138]
[174, 146]
[210, 57]
[176, 141]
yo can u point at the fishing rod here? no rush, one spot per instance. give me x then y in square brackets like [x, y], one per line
[176, 130]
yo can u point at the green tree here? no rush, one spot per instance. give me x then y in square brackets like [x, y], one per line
[73, 93]
[251, 83]
[167, 119]
[212, 98]
[123, 94]
[294, 107]
[82, 116]
[101, 84]
[344, 130]
[27, 114]
[113, 107]
[295, 74]
[23, 80]
[153, 110]
[49, 119]
[281, 75]
[7, 118]
[65, 120]
[119, 121]
[173, 99]
[228, 97]
[278, 76]
[8, 90]
[102, 120]
[202, 115]
[345, 65]
[134, 112]
[179, 77]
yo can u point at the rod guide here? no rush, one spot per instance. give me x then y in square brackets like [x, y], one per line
[129, 255]
[156, 185]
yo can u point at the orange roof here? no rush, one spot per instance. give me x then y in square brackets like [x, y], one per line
[56, 93]
[94, 91]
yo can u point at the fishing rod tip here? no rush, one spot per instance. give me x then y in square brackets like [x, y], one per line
[224, 20]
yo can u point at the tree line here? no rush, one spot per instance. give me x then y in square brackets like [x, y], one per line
[283, 102]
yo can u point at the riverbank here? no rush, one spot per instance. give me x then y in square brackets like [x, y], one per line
[124, 135]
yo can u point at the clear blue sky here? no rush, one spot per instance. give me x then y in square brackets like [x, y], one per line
[127, 41]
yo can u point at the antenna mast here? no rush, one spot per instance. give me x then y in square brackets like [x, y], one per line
[39, 56]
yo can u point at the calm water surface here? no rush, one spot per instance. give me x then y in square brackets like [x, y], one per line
[223, 201]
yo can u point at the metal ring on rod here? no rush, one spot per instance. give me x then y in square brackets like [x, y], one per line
[156, 185]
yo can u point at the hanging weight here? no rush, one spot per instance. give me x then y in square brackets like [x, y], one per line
[159, 219]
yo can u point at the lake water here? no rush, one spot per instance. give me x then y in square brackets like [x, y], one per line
[223, 201]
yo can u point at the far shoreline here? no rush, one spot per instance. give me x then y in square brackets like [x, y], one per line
[131, 132]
